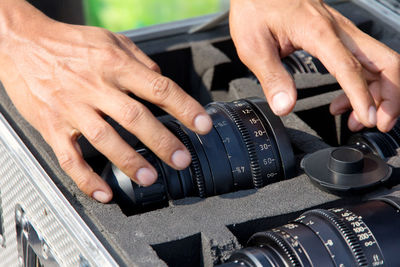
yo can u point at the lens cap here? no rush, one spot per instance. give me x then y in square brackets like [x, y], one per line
[345, 169]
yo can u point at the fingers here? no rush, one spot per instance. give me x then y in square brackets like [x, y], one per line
[165, 93]
[340, 105]
[389, 109]
[354, 123]
[345, 67]
[137, 119]
[382, 67]
[259, 53]
[75, 166]
[107, 141]
[386, 87]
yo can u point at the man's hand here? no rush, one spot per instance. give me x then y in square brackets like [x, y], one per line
[63, 79]
[369, 72]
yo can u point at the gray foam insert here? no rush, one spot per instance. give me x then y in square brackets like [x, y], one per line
[134, 238]
[197, 231]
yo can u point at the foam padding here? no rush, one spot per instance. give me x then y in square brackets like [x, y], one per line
[204, 232]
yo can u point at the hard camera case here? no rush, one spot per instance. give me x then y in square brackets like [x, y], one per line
[46, 221]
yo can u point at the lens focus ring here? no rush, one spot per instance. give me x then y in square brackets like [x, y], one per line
[362, 235]
[250, 148]
[241, 151]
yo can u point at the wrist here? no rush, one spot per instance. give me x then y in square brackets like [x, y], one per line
[18, 17]
[20, 24]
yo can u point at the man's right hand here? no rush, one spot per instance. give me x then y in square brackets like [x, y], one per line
[63, 79]
[264, 31]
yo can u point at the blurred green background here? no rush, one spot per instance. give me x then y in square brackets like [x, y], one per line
[120, 15]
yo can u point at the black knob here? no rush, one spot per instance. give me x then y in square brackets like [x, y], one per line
[345, 170]
[346, 160]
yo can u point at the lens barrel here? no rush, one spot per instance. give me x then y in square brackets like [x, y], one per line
[301, 62]
[367, 234]
[247, 148]
[384, 145]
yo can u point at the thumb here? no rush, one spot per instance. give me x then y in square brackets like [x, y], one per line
[260, 54]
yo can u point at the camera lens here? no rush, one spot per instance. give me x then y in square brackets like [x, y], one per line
[247, 148]
[362, 235]
[384, 145]
[300, 62]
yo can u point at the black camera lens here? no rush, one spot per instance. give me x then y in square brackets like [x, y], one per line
[247, 148]
[364, 235]
[384, 145]
[301, 62]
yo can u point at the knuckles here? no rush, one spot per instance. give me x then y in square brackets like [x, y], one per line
[320, 26]
[351, 64]
[154, 67]
[84, 183]
[161, 88]
[186, 109]
[124, 38]
[132, 113]
[67, 161]
[97, 133]
[113, 55]
[128, 163]
[164, 145]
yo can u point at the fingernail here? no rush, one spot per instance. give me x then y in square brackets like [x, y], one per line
[203, 123]
[145, 176]
[372, 115]
[101, 196]
[280, 103]
[181, 159]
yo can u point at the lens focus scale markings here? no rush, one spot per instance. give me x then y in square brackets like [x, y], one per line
[232, 141]
[355, 232]
[304, 245]
[342, 237]
[366, 234]
[268, 160]
[254, 164]
[348, 236]
[243, 150]
[328, 234]
[366, 239]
